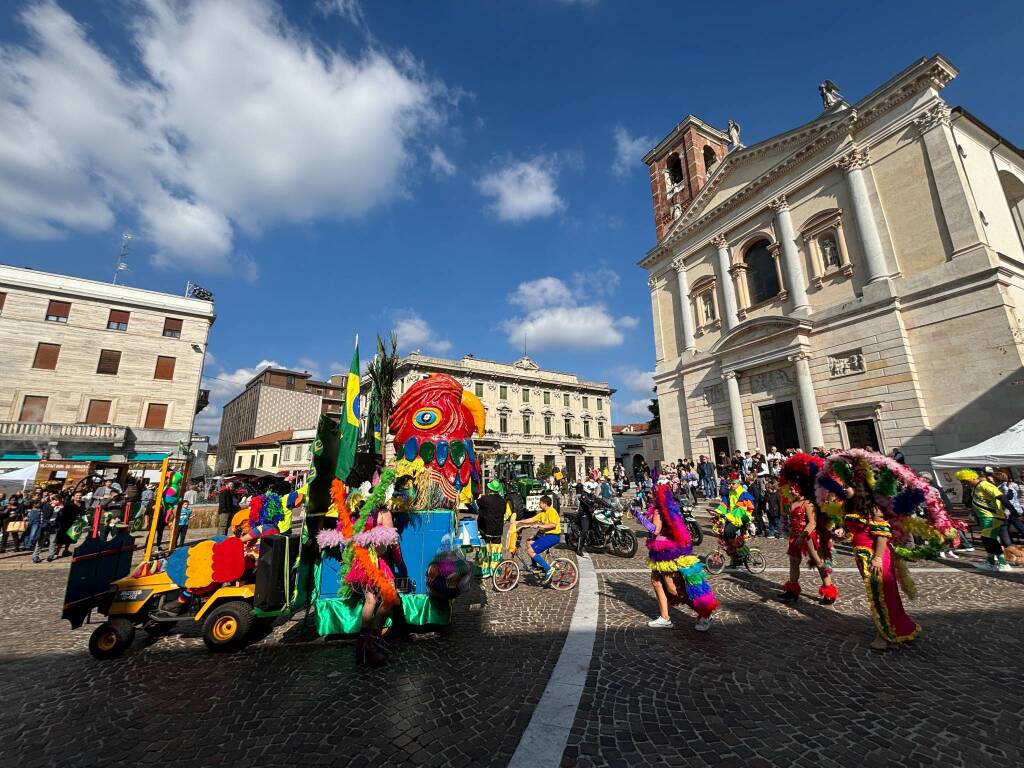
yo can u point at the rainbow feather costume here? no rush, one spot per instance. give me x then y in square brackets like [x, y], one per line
[738, 507]
[672, 550]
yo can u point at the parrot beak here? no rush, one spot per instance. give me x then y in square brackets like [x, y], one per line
[472, 404]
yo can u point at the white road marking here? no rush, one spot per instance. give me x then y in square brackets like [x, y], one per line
[544, 739]
[844, 569]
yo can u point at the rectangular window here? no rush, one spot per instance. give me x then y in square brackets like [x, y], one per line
[526, 425]
[586, 401]
[33, 408]
[98, 413]
[252, 461]
[46, 356]
[118, 320]
[156, 416]
[58, 311]
[238, 464]
[289, 382]
[261, 459]
[110, 361]
[478, 389]
[503, 392]
[172, 327]
[273, 460]
[603, 462]
[565, 399]
[547, 398]
[503, 424]
[164, 368]
[3, 298]
[586, 429]
[600, 404]
[547, 426]
[526, 395]
[567, 426]
[287, 454]
[600, 429]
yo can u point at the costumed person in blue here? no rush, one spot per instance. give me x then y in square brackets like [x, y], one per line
[733, 517]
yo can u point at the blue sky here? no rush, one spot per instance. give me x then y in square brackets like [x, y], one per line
[464, 172]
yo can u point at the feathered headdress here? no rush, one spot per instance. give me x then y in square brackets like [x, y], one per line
[799, 472]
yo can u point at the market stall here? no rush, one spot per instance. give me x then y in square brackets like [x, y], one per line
[1002, 451]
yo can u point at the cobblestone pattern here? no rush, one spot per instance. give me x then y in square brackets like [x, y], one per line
[775, 685]
[456, 700]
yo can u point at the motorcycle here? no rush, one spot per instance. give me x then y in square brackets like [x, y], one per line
[606, 531]
[685, 507]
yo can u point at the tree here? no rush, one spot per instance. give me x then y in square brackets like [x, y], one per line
[544, 471]
[655, 423]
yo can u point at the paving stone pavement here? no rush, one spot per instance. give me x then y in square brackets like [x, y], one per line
[771, 684]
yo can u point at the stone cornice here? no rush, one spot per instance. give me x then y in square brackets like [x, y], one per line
[935, 72]
[936, 115]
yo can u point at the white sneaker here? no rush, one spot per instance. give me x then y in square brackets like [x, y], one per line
[704, 624]
[660, 623]
[943, 555]
[1004, 567]
[986, 566]
[952, 555]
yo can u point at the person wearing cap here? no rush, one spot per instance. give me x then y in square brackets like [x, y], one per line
[491, 524]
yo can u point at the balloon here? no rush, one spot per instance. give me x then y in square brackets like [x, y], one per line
[176, 478]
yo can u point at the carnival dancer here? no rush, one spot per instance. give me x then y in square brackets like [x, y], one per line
[733, 517]
[987, 504]
[810, 534]
[677, 575]
[883, 505]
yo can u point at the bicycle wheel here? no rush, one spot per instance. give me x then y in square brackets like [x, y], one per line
[755, 561]
[505, 576]
[715, 562]
[565, 574]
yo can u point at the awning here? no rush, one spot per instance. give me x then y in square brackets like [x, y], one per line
[1003, 450]
[20, 477]
[147, 456]
[20, 456]
[90, 457]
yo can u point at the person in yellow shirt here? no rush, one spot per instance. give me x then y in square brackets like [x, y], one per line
[549, 526]
[987, 504]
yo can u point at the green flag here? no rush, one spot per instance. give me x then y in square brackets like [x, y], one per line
[349, 421]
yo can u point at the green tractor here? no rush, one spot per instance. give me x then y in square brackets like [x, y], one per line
[522, 489]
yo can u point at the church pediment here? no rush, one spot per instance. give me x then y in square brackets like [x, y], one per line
[760, 331]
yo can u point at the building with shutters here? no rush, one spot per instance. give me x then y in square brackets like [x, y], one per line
[545, 416]
[856, 281]
[95, 370]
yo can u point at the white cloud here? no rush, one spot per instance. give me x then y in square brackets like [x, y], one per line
[233, 119]
[348, 9]
[634, 379]
[415, 333]
[523, 190]
[556, 319]
[598, 282]
[440, 163]
[628, 151]
[635, 409]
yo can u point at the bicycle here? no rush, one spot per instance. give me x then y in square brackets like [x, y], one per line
[753, 560]
[509, 572]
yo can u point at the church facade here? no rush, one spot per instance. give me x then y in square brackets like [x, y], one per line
[857, 281]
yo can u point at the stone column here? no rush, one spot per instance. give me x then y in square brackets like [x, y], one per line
[808, 401]
[725, 279]
[790, 254]
[963, 222]
[689, 345]
[739, 428]
[853, 165]
[659, 346]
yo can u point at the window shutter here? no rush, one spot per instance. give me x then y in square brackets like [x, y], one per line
[58, 311]
[156, 415]
[46, 356]
[164, 368]
[172, 327]
[110, 361]
[98, 413]
[33, 408]
[118, 320]
[3, 298]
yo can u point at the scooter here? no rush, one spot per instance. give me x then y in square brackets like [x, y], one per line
[606, 531]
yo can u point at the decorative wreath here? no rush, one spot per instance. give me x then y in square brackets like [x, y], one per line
[910, 504]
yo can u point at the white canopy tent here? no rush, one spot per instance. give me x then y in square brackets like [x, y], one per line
[19, 478]
[1004, 450]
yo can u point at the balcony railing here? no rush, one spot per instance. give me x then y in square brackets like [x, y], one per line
[28, 429]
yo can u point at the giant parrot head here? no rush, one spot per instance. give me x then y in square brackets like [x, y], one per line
[435, 420]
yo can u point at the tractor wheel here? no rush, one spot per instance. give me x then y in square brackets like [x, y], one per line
[518, 504]
[111, 638]
[227, 627]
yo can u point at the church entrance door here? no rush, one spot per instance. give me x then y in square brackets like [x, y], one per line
[778, 425]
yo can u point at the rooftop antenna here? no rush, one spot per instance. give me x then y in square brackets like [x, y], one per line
[121, 265]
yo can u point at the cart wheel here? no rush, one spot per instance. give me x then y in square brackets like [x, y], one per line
[111, 638]
[227, 627]
[565, 575]
[505, 576]
[715, 562]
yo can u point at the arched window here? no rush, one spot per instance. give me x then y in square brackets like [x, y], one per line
[762, 279]
[709, 158]
[1013, 191]
[674, 166]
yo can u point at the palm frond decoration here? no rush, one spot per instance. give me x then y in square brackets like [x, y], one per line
[383, 372]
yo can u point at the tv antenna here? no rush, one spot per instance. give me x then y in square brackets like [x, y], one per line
[121, 265]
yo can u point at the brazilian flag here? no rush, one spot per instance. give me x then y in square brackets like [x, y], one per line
[349, 421]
